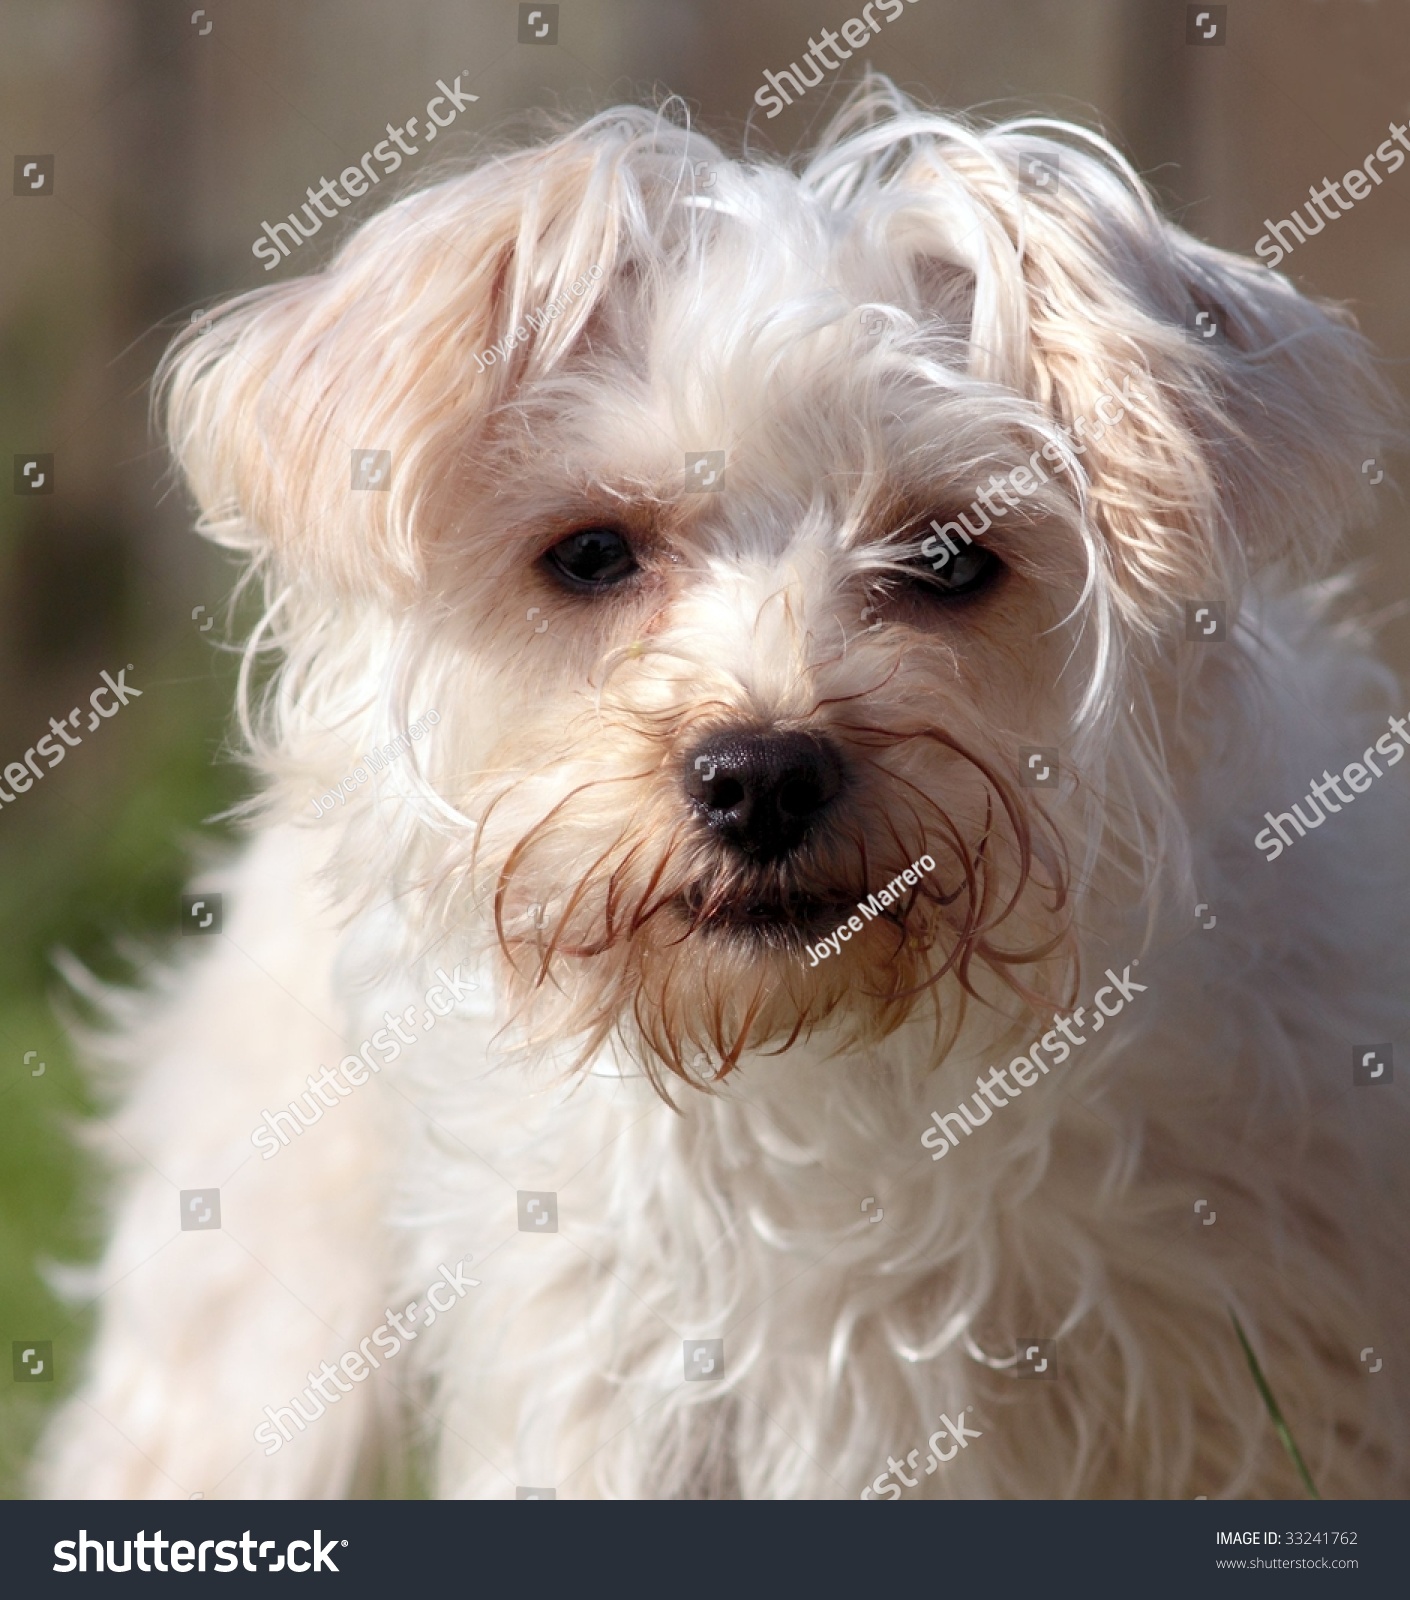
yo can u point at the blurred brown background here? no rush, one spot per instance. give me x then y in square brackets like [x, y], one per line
[177, 130]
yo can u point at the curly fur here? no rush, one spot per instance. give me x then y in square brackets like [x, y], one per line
[870, 337]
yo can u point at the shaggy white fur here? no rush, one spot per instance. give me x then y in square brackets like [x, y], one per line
[734, 1137]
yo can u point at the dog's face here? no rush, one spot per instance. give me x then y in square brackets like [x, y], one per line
[753, 702]
[693, 538]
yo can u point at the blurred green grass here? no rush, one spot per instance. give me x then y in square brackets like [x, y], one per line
[85, 865]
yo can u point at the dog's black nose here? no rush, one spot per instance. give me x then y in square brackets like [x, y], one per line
[763, 791]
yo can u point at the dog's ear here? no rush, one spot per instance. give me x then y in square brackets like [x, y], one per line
[267, 402]
[1250, 407]
[1246, 408]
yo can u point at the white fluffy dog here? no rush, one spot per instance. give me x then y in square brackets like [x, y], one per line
[798, 565]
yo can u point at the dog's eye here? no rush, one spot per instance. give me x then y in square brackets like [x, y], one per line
[592, 558]
[949, 574]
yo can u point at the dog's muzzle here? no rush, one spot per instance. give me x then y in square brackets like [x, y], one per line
[763, 793]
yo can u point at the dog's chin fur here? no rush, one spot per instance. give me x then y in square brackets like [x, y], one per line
[733, 1128]
[653, 939]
